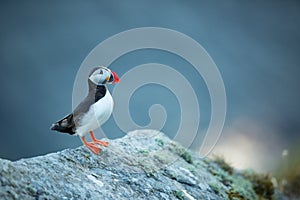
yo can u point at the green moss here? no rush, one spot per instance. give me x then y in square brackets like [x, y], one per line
[144, 151]
[261, 184]
[215, 186]
[241, 189]
[31, 191]
[159, 142]
[182, 152]
[219, 160]
[187, 157]
[237, 187]
[192, 168]
[223, 176]
[180, 194]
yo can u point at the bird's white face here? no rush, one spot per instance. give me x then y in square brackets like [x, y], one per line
[103, 75]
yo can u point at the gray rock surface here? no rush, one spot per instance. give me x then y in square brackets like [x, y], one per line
[144, 164]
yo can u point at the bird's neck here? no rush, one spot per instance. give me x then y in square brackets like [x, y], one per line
[96, 91]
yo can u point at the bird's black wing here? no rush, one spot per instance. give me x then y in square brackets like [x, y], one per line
[65, 125]
[69, 123]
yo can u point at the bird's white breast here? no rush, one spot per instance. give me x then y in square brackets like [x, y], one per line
[97, 115]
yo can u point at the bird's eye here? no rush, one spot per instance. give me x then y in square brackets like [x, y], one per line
[101, 72]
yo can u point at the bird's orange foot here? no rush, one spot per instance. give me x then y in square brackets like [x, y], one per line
[94, 148]
[102, 143]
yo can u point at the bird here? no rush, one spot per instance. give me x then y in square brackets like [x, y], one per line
[93, 111]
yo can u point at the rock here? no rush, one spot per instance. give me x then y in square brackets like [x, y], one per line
[144, 164]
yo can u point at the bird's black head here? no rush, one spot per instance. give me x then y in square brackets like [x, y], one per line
[103, 75]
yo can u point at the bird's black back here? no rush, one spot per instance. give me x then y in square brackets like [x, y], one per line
[68, 124]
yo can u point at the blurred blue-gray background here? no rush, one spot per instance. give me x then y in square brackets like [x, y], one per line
[255, 44]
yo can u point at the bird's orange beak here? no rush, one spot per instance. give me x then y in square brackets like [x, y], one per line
[116, 77]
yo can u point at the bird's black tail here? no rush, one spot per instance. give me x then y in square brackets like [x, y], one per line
[65, 125]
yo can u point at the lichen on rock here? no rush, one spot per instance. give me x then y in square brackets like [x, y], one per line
[145, 164]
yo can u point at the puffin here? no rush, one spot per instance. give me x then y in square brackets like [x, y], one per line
[93, 111]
